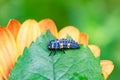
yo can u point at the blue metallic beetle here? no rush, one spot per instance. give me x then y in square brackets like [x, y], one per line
[62, 44]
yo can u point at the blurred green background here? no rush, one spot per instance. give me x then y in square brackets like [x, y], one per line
[100, 19]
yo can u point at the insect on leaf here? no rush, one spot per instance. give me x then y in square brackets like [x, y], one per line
[75, 64]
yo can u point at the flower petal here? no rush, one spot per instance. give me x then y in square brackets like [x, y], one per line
[14, 27]
[8, 51]
[3, 76]
[83, 39]
[48, 24]
[71, 31]
[95, 50]
[107, 67]
[28, 32]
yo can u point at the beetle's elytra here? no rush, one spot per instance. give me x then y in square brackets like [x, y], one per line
[62, 44]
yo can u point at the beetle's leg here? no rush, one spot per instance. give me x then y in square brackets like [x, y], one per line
[63, 51]
[50, 52]
[54, 52]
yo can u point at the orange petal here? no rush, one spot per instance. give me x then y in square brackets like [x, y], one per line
[28, 32]
[83, 39]
[95, 50]
[14, 27]
[1, 77]
[107, 67]
[8, 51]
[48, 24]
[71, 31]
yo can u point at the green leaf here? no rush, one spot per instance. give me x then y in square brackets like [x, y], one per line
[36, 64]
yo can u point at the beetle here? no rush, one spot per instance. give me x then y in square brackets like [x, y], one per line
[61, 44]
